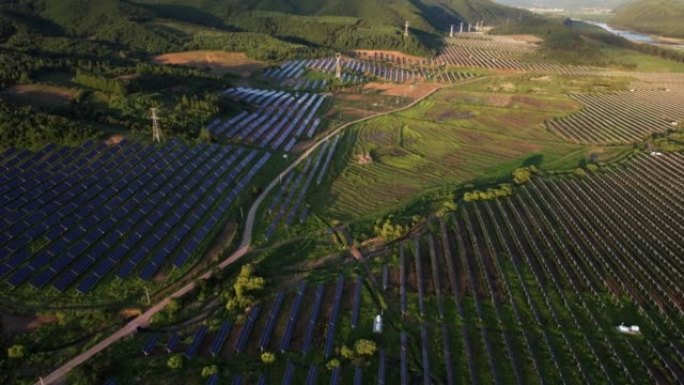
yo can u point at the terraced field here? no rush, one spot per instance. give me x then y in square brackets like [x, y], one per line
[451, 138]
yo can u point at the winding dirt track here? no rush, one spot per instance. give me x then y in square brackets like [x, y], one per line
[144, 319]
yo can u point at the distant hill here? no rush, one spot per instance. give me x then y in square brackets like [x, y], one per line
[154, 26]
[660, 17]
[565, 4]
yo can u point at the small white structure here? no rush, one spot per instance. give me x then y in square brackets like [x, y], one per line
[634, 329]
[656, 153]
[377, 324]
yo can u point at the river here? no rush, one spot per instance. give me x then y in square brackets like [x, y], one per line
[635, 36]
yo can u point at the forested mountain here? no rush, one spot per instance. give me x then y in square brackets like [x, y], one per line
[662, 17]
[565, 4]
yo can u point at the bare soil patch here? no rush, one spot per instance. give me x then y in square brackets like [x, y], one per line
[413, 91]
[364, 159]
[15, 324]
[114, 140]
[217, 62]
[527, 38]
[40, 94]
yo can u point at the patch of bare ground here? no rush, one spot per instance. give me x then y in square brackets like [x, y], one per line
[40, 94]
[527, 38]
[15, 324]
[217, 62]
[413, 91]
[114, 140]
[364, 159]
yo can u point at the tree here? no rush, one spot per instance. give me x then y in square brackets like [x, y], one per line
[268, 358]
[332, 364]
[175, 362]
[347, 352]
[209, 371]
[579, 172]
[205, 136]
[16, 351]
[365, 347]
[522, 175]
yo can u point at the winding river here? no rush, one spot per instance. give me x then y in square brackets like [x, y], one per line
[635, 36]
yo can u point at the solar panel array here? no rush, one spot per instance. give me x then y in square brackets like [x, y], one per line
[287, 202]
[279, 121]
[72, 216]
[355, 71]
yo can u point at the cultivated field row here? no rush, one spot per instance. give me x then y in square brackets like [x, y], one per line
[72, 216]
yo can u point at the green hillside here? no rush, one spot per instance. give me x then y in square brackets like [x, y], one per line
[661, 17]
[147, 26]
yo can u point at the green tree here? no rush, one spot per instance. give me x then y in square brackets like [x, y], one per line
[365, 347]
[522, 175]
[209, 371]
[268, 358]
[175, 362]
[16, 351]
[579, 172]
[332, 364]
[347, 352]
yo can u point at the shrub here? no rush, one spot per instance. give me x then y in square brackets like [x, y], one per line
[16, 351]
[175, 362]
[522, 175]
[332, 364]
[268, 358]
[347, 352]
[365, 347]
[209, 371]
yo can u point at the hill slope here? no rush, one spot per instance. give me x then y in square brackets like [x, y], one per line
[661, 17]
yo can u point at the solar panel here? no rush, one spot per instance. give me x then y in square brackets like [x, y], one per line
[241, 343]
[150, 344]
[213, 379]
[191, 352]
[173, 343]
[221, 337]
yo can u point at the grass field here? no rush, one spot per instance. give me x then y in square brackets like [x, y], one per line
[217, 62]
[459, 135]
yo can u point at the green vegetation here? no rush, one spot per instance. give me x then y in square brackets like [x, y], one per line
[660, 17]
[490, 127]
[16, 352]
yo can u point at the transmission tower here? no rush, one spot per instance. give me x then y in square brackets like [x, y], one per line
[451, 32]
[406, 29]
[156, 128]
[338, 66]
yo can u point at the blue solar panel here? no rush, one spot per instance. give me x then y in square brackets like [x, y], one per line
[221, 337]
[237, 380]
[88, 284]
[173, 342]
[213, 380]
[191, 352]
[150, 344]
[63, 282]
[335, 377]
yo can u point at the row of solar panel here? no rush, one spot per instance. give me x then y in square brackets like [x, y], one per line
[101, 223]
